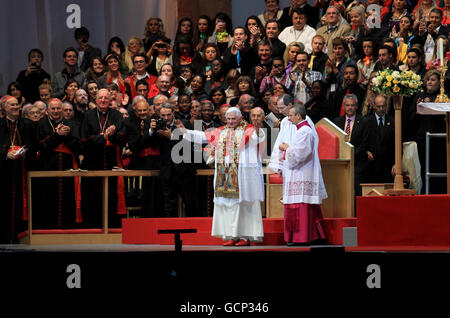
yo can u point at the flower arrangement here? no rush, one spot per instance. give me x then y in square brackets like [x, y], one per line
[390, 82]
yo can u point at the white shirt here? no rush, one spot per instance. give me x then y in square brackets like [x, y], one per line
[304, 36]
[286, 134]
[302, 173]
[139, 77]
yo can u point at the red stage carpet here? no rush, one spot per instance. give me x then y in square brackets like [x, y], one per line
[421, 220]
[145, 231]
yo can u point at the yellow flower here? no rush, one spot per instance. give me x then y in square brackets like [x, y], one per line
[389, 78]
[388, 84]
[395, 81]
[396, 89]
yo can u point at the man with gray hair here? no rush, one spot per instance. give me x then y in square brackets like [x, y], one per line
[31, 112]
[238, 179]
[334, 28]
[102, 139]
[245, 104]
[59, 143]
[303, 186]
[176, 177]
[42, 108]
[67, 109]
[353, 125]
[157, 101]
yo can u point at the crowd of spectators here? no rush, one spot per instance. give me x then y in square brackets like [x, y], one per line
[323, 55]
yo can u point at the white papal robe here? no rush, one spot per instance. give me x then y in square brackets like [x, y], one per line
[239, 217]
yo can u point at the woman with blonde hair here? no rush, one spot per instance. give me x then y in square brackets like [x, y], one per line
[357, 21]
[292, 49]
[154, 28]
[134, 47]
[45, 91]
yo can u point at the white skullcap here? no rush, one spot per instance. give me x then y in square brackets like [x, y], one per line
[234, 110]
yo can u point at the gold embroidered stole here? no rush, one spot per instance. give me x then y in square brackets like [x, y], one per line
[228, 151]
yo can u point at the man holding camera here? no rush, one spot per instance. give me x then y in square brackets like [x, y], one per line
[175, 177]
[33, 76]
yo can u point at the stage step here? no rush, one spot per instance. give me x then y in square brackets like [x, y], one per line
[145, 231]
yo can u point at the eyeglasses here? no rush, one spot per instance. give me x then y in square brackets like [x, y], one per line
[139, 61]
[277, 65]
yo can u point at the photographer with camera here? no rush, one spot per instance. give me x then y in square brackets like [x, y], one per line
[158, 55]
[33, 76]
[86, 53]
[176, 178]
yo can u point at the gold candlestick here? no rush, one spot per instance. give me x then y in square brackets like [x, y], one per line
[442, 97]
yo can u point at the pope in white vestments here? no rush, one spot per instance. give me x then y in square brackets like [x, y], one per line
[238, 179]
[296, 155]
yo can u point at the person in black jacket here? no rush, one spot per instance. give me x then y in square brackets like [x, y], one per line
[145, 156]
[318, 57]
[273, 29]
[313, 14]
[434, 28]
[33, 76]
[86, 53]
[431, 124]
[240, 55]
[381, 143]
[349, 86]
[176, 171]
[353, 124]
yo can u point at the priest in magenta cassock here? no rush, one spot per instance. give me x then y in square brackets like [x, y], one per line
[303, 186]
[238, 178]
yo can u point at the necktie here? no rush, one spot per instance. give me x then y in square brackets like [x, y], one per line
[332, 28]
[347, 128]
[310, 66]
[380, 124]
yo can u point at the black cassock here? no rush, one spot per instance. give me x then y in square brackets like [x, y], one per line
[13, 213]
[145, 156]
[102, 154]
[57, 207]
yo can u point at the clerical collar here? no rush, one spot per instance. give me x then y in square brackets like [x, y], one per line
[11, 120]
